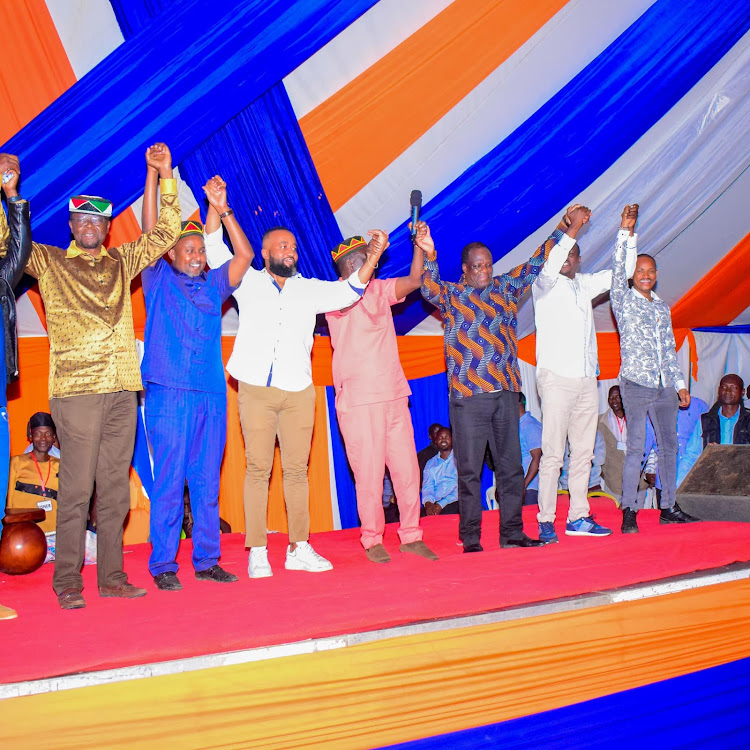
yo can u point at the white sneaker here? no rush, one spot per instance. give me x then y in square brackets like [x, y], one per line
[257, 563]
[306, 558]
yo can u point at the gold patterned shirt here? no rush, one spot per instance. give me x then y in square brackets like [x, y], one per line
[89, 313]
[4, 232]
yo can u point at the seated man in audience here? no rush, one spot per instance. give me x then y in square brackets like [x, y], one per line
[428, 451]
[614, 431]
[390, 501]
[32, 481]
[440, 483]
[530, 432]
[595, 477]
[727, 422]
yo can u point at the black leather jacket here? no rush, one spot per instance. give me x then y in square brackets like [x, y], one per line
[712, 428]
[11, 271]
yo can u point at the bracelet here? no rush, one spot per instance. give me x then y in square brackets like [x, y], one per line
[226, 213]
[367, 260]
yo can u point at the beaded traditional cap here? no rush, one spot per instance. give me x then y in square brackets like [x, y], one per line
[191, 227]
[90, 204]
[347, 246]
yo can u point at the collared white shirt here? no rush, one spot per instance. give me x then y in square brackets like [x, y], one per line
[275, 334]
[564, 317]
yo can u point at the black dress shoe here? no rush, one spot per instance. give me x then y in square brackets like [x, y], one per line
[473, 547]
[629, 522]
[215, 573]
[524, 541]
[168, 581]
[675, 514]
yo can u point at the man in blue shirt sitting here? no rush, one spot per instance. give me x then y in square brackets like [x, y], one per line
[530, 433]
[727, 422]
[440, 481]
[186, 401]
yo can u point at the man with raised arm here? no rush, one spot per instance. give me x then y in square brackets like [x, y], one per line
[651, 382]
[271, 362]
[481, 348]
[15, 247]
[94, 376]
[372, 400]
[567, 367]
[186, 393]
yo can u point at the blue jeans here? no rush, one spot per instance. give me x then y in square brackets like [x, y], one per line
[187, 431]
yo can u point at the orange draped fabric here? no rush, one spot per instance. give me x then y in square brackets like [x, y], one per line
[35, 68]
[441, 682]
[609, 353]
[721, 295]
[444, 60]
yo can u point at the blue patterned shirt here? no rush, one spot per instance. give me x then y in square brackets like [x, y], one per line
[647, 345]
[480, 340]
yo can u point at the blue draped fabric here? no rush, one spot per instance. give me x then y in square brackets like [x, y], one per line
[571, 140]
[706, 709]
[168, 83]
[264, 159]
[428, 403]
[141, 458]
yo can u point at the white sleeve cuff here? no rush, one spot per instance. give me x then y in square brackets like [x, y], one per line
[680, 385]
[355, 281]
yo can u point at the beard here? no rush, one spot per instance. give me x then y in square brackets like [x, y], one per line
[279, 269]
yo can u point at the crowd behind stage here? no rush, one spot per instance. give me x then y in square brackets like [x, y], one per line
[652, 428]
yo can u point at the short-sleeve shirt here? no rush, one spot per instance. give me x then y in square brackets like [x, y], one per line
[183, 327]
[530, 431]
[366, 366]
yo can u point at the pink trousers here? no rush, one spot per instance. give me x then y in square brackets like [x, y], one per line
[377, 435]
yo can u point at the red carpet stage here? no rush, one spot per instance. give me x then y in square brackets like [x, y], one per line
[356, 596]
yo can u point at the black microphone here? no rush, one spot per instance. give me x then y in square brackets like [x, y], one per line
[416, 206]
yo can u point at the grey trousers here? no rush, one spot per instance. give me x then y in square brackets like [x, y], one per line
[662, 405]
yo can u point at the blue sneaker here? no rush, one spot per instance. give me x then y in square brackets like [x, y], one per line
[547, 532]
[586, 527]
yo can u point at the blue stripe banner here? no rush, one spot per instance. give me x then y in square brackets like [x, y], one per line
[576, 136]
[176, 82]
[706, 709]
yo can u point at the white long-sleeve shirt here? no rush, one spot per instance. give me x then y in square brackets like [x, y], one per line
[276, 325]
[564, 318]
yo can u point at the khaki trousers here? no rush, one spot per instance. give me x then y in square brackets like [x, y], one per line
[265, 414]
[570, 409]
[97, 434]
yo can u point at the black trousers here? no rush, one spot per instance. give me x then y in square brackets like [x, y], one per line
[475, 420]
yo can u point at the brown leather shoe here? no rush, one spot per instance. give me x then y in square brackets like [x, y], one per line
[123, 591]
[378, 554]
[71, 599]
[419, 548]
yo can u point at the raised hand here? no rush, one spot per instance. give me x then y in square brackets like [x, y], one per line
[578, 215]
[158, 157]
[377, 245]
[9, 164]
[629, 217]
[216, 192]
[423, 240]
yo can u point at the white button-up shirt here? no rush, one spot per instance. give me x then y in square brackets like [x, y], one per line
[564, 318]
[276, 325]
